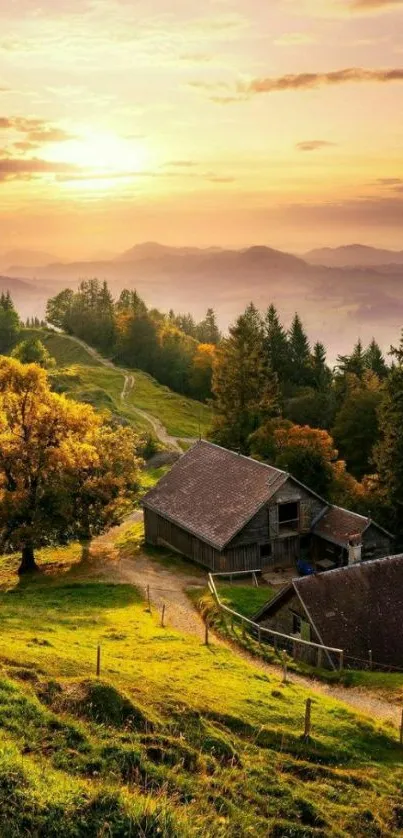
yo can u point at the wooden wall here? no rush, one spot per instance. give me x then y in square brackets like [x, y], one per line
[243, 552]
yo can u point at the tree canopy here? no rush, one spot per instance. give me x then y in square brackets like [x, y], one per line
[64, 473]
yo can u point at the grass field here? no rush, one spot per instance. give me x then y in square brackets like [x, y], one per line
[245, 599]
[86, 379]
[175, 738]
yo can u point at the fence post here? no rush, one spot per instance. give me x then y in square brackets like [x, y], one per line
[341, 660]
[307, 727]
[401, 730]
[98, 660]
[319, 658]
[370, 658]
[148, 598]
[206, 637]
[284, 671]
[163, 616]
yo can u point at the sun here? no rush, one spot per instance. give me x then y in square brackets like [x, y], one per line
[103, 153]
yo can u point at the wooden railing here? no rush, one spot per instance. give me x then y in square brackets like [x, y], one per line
[295, 646]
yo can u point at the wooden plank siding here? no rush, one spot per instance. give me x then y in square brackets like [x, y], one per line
[244, 551]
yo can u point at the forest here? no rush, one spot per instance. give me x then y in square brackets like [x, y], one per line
[273, 395]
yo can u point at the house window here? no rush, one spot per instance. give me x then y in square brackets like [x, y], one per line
[288, 516]
[265, 551]
[296, 624]
[301, 627]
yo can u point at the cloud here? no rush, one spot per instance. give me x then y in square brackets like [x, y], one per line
[296, 81]
[307, 81]
[373, 5]
[35, 131]
[17, 168]
[389, 181]
[314, 145]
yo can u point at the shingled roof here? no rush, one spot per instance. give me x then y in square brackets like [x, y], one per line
[339, 525]
[213, 493]
[355, 608]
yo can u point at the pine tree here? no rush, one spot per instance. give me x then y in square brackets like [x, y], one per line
[276, 344]
[321, 373]
[245, 390]
[388, 453]
[374, 360]
[207, 331]
[300, 353]
[354, 363]
[9, 323]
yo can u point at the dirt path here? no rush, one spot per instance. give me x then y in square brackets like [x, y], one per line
[169, 587]
[129, 384]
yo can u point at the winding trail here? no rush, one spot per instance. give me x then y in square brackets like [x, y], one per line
[129, 384]
[169, 586]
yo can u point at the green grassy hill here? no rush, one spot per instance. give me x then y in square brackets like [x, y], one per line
[174, 738]
[84, 378]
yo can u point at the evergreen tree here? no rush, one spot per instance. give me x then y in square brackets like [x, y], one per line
[300, 353]
[245, 390]
[354, 363]
[276, 344]
[389, 451]
[321, 373]
[207, 331]
[9, 324]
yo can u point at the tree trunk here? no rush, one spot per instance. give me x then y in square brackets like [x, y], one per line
[85, 548]
[28, 564]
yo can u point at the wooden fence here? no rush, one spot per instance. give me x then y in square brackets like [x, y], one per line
[313, 653]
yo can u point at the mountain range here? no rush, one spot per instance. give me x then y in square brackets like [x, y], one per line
[337, 303]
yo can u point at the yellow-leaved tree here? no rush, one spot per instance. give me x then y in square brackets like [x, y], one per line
[64, 472]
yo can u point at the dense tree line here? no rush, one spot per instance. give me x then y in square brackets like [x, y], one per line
[174, 348]
[339, 431]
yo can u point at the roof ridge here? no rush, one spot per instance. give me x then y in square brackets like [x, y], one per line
[350, 512]
[347, 567]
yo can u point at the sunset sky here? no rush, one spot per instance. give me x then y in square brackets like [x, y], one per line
[230, 122]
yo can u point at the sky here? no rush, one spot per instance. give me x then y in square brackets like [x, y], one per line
[227, 123]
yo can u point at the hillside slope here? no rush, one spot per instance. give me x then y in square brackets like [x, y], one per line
[174, 738]
[135, 396]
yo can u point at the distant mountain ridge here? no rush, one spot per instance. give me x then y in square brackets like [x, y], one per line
[354, 255]
[336, 303]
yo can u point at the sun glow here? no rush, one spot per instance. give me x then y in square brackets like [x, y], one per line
[102, 153]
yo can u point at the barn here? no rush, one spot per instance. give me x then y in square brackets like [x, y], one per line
[356, 608]
[229, 512]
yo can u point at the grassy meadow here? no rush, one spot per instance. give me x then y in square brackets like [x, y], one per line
[84, 378]
[174, 738]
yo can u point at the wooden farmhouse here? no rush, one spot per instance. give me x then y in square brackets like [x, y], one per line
[356, 608]
[229, 512]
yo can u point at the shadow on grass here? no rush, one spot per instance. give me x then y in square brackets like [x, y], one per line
[45, 594]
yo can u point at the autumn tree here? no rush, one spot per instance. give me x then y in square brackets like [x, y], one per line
[245, 390]
[63, 472]
[308, 454]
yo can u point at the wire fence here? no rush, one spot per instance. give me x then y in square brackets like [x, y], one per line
[315, 654]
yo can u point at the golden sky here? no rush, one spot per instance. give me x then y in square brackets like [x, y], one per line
[230, 122]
